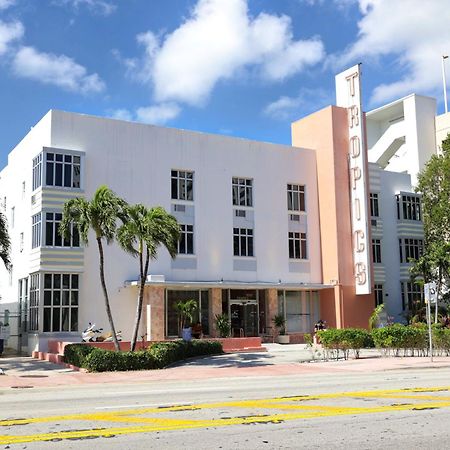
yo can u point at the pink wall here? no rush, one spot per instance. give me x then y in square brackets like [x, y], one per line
[327, 132]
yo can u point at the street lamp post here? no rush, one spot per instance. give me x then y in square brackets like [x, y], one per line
[444, 57]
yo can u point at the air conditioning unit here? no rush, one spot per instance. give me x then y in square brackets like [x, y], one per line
[156, 278]
[240, 213]
[294, 217]
[179, 208]
[373, 222]
[33, 199]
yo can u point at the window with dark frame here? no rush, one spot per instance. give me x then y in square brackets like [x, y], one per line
[60, 302]
[297, 245]
[376, 250]
[52, 236]
[410, 249]
[186, 242]
[409, 207]
[242, 191]
[296, 197]
[37, 171]
[412, 293]
[63, 170]
[243, 242]
[378, 294]
[182, 185]
[374, 210]
[34, 302]
[36, 230]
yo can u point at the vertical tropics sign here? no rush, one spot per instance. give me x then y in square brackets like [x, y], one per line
[348, 95]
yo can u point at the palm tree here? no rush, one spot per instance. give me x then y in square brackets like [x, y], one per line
[99, 214]
[141, 234]
[5, 243]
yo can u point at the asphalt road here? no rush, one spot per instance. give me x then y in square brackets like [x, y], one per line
[407, 408]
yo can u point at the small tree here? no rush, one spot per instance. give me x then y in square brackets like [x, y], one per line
[434, 185]
[5, 243]
[100, 215]
[280, 322]
[185, 310]
[143, 231]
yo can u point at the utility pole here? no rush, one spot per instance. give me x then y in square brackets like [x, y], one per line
[444, 57]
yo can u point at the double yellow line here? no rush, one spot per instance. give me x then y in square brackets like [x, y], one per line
[291, 408]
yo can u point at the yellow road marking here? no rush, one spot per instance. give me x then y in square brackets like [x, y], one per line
[296, 405]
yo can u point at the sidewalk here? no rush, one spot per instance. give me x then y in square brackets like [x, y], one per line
[25, 372]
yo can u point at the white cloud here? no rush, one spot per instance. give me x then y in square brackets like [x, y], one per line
[415, 32]
[290, 108]
[155, 114]
[102, 7]
[158, 114]
[58, 70]
[4, 4]
[218, 40]
[9, 32]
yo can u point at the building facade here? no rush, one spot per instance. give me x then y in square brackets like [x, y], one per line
[265, 229]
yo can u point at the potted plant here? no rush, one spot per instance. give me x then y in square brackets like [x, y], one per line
[280, 323]
[186, 310]
[223, 325]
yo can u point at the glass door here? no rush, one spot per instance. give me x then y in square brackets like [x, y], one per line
[243, 318]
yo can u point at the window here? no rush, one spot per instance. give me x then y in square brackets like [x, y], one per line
[376, 250]
[13, 214]
[300, 309]
[4, 204]
[36, 231]
[34, 302]
[374, 211]
[296, 197]
[62, 170]
[297, 245]
[242, 190]
[11, 268]
[60, 302]
[410, 249]
[186, 242]
[37, 171]
[242, 242]
[412, 295]
[182, 185]
[52, 236]
[21, 242]
[200, 315]
[409, 205]
[378, 294]
[23, 190]
[23, 304]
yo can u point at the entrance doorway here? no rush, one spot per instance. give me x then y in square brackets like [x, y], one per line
[244, 318]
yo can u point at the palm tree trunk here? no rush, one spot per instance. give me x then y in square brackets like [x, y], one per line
[143, 276]
[105, 294]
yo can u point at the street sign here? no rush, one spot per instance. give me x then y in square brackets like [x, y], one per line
[430, 292]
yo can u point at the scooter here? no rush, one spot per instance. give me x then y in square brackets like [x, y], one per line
[90, 334]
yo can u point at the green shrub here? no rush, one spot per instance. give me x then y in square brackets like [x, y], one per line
[100, 360]
[158, 356]
[398, 337]
[76, 354]
[344, 340]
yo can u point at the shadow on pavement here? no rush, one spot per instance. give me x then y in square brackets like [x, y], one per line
[24, 365]
[231, 360]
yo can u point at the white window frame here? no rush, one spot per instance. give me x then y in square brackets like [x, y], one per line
[376, 251]
[242, 191]
[186, 231]
[245, 239]
[182, 179]
[296, 197]
[298, 241]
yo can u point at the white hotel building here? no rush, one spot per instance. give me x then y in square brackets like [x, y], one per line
[266, 228]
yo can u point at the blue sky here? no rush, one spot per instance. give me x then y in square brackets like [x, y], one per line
[240, 67]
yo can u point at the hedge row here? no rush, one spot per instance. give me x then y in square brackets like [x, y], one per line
[394, 339]
[157, 356]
